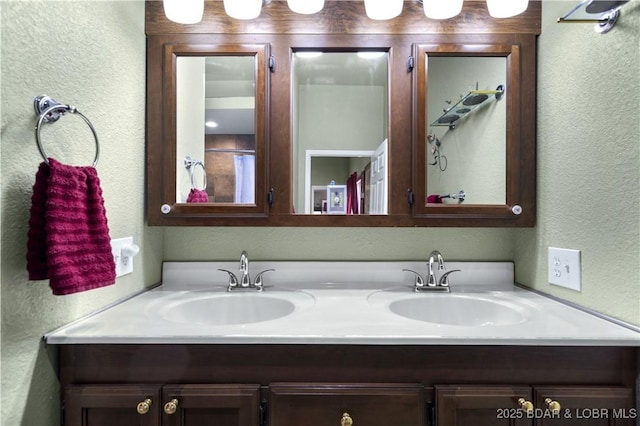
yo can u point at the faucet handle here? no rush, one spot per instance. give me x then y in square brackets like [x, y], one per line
[444, 279]
[233, 281]
[419, 281]
[258, 282]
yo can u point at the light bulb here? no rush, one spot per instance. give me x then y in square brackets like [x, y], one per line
[184, 11]
[441, 9]
[243, 9]
[506, 8]
[306, 7]
[383, 9]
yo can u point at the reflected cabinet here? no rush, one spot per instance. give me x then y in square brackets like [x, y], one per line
[337, 120]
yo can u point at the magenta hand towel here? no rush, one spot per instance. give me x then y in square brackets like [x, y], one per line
[197, 196]
[68, 240]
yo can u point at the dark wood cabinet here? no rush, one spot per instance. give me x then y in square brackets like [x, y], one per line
[315, 385]
[534, 406]
[108, 405]
[481, 405]
[335, 404]
[342, 26]
[585, 406]
[155, 405]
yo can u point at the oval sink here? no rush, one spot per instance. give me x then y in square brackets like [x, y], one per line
[458, 310]
[232, 308]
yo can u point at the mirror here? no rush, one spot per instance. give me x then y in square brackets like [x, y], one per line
[197, 170]
[471, 132]
[340, 130]
[325, 116]
[215, 129]
[466, 130]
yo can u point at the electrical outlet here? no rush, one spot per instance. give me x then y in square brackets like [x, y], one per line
[123, 251]
[564, 268]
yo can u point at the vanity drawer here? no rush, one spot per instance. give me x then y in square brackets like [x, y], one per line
[343, 404]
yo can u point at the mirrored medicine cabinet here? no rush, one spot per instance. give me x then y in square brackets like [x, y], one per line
[338, 120]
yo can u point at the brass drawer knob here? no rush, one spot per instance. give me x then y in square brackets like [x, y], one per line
[171, 407]
[143, 407]
[553, 405]
[346, 420]
[525, 405]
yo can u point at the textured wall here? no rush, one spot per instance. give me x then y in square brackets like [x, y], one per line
[337, 243]
[588, 161]
[90, 54]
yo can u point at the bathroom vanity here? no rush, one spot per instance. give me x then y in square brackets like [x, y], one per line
[330, 343]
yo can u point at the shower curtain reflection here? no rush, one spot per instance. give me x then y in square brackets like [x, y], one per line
[245, 178]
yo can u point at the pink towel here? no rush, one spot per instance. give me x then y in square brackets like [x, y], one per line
[68, 240]
[197, 196]
[434, 199]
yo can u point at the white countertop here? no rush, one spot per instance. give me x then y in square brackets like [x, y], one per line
[342, 303]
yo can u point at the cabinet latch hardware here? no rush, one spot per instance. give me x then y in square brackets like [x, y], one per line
[431, 414]
[263, 413]
[272, 63]
[410, 64]
[410, 197]
[270, 196]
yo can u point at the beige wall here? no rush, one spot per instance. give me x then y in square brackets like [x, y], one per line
[588, 161]
[91, 55]
[85, 52]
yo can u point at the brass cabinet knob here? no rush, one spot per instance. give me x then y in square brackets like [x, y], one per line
[171, 406]
[525, 405]
[553, 405]
[346, 420]
[143, 407]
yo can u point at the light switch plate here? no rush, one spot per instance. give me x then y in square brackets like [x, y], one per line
[565, 268]
[124, 264]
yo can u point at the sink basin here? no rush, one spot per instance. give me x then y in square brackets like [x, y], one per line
[233, 308]
[448, 309]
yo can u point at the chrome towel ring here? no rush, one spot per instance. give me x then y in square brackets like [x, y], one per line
[50, 111]
[191, 165]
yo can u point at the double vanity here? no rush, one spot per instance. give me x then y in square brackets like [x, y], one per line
[323, 339]
[324, 100]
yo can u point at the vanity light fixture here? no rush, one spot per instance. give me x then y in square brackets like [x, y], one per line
[243, 9]
[184, 11]
[211, 124]
[381, 10]
[306, 7]
[506, 8]
[442, 9]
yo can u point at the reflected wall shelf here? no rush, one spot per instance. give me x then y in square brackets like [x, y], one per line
[603, 13]
[467, 105]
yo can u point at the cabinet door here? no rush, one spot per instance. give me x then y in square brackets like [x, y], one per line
[109, 405]
[346, 404]
[219, 405]
[481, 405]
[584, 406]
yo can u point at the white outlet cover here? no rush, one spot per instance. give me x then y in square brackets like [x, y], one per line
[124, 265]
[564, 268]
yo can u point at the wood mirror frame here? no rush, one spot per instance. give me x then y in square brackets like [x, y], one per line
[341, 25]
[519, 208]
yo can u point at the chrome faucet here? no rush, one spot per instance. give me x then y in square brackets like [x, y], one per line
[433, 284]
[245, 278]
[435, 255]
